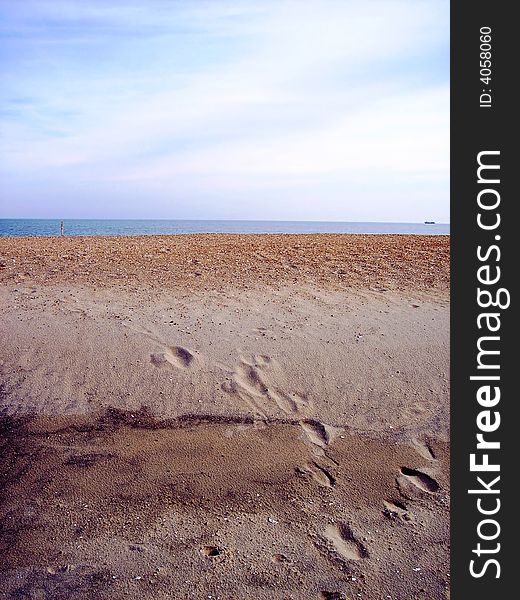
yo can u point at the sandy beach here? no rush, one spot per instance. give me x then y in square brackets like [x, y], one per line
[225, 416]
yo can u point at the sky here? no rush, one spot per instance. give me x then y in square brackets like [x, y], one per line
[330, 110]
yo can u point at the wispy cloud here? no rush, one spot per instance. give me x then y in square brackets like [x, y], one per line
[276, 109]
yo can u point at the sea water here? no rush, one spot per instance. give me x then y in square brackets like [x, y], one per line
[31, 227]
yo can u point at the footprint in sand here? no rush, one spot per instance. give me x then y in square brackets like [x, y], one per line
[423, 449]
[262, 360]
[410, 480]
[254, 383]
[344, 543]
[319, 473]
[318, 433]
[257, 384]
[175, 355]
[212, 551]
[396, 510]
[318, 436]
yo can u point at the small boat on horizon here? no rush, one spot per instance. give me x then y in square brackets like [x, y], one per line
[429, 222]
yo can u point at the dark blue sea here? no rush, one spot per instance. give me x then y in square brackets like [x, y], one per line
[30, 227]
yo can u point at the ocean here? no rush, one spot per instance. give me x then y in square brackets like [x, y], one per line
[31, 227]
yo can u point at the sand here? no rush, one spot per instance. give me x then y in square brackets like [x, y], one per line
[225, 416]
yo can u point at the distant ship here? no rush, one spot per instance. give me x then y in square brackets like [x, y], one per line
[429, 222]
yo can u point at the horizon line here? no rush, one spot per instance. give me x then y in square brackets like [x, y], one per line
[213, 220]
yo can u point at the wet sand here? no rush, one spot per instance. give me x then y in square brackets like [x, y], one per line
[223, 416]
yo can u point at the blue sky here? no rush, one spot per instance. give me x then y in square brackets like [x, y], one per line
[230, 109]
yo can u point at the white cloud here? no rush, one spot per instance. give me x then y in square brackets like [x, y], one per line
[322, 93]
